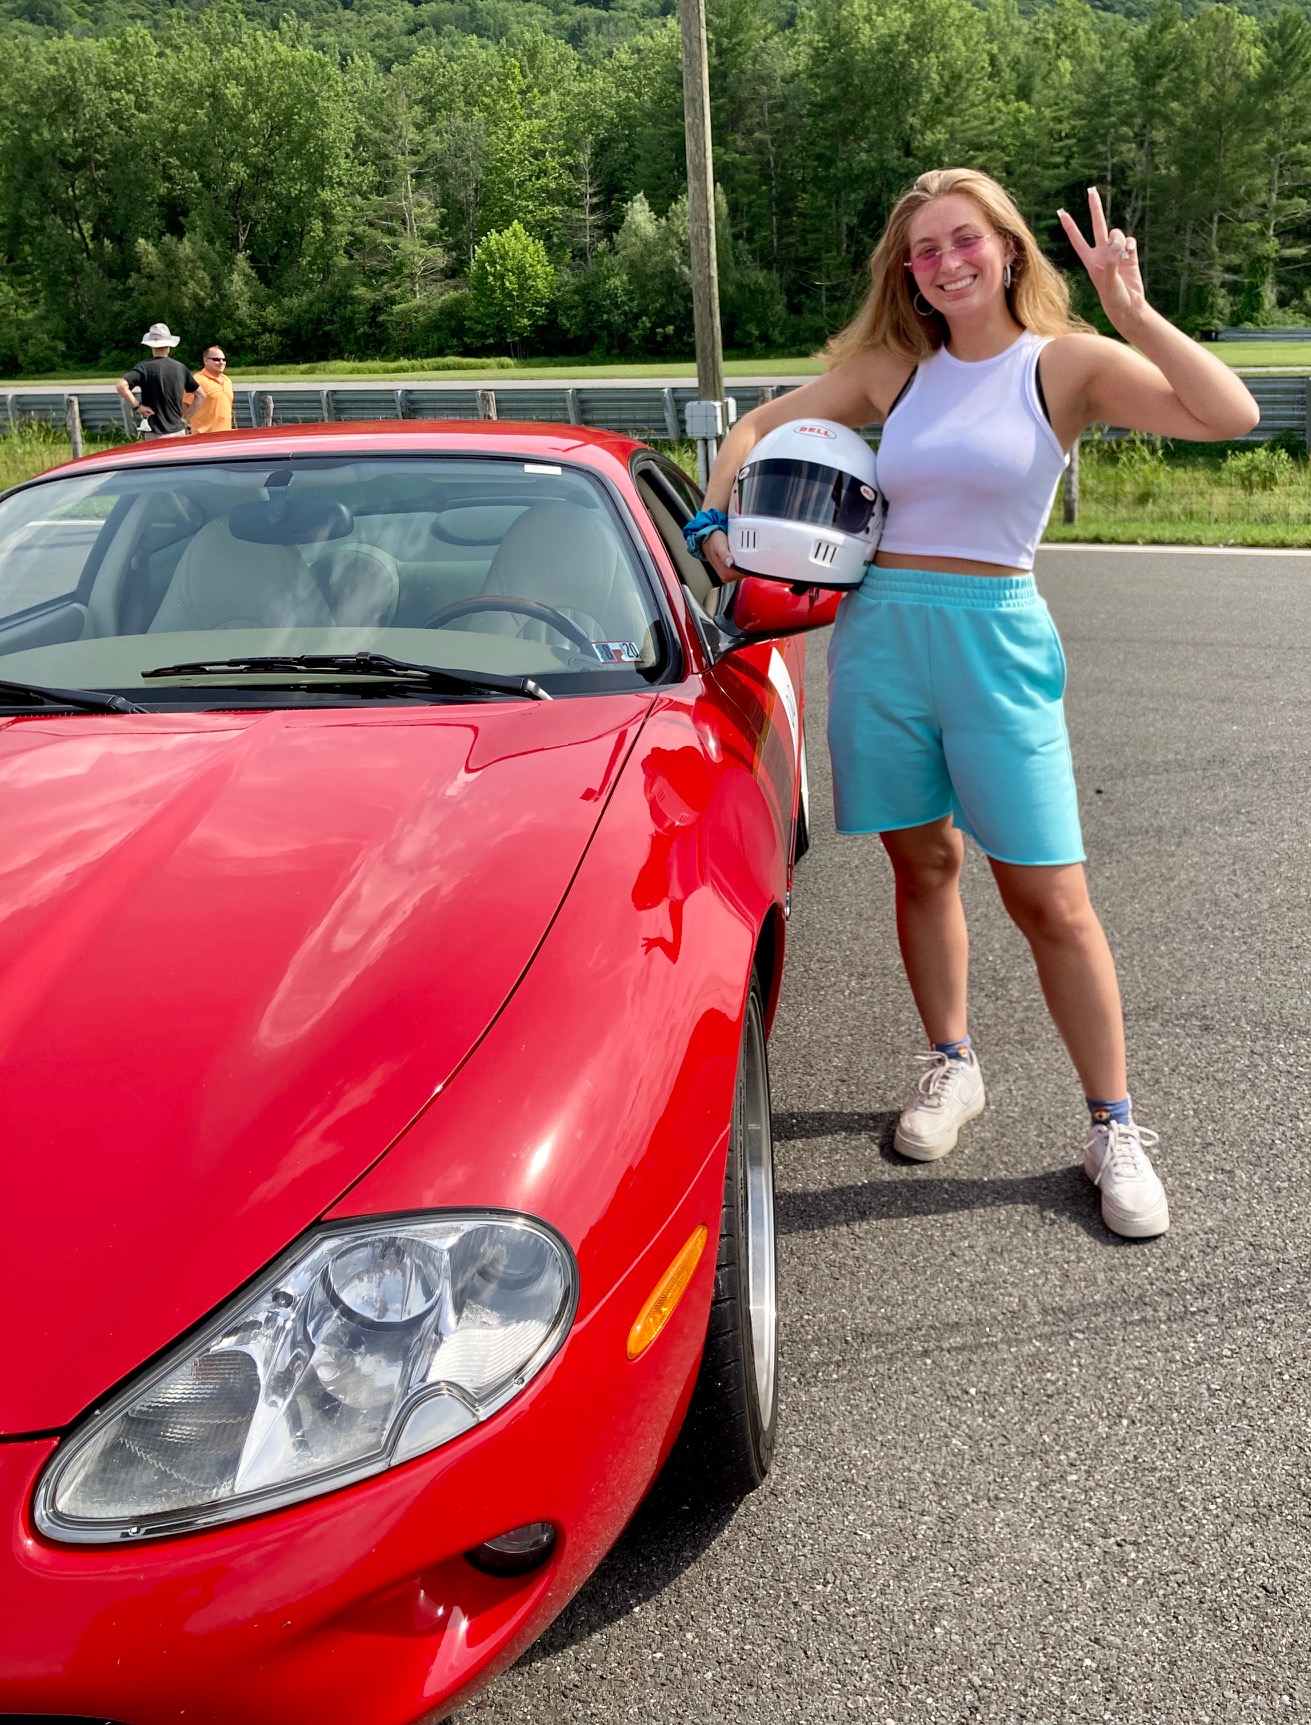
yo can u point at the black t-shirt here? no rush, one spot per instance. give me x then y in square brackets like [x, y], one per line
[162, 383]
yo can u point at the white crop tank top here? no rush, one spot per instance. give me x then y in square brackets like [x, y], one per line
[968, 461]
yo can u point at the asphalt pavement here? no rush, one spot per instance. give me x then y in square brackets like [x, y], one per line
[1028, 1471]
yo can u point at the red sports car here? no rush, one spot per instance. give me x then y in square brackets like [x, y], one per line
[395, 869]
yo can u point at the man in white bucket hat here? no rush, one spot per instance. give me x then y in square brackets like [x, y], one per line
[162, 382]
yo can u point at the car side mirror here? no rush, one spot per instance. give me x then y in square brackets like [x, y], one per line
[761, 611]
[765, 609]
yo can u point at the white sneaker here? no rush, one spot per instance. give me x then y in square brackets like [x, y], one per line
[950, 1093]
[1133, 1198]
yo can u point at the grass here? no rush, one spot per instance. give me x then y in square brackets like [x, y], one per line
[25, 453]
[1292, 355]
[471, 369]
[1139, 490]
[465, 370]
[389, 368]
[550, 370]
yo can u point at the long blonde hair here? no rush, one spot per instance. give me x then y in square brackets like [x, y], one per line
[1038, 297]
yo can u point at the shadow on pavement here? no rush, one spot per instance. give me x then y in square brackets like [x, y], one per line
[1061, 1192]
[832, 1123]
[667, 1535]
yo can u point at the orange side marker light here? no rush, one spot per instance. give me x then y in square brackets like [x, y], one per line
[669, 1290]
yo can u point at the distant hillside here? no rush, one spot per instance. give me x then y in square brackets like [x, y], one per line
[1140, 9]
[390, 28]
[387, 28]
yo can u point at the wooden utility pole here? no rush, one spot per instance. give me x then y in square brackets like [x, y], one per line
[73, 419]
[1070, 489]
[701, 200]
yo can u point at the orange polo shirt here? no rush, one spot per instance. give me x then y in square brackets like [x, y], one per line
[215, 410]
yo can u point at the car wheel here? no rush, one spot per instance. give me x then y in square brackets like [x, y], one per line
[802, 842]
[733, 1419]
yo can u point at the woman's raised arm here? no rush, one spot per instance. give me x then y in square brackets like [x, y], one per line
[1171, 386]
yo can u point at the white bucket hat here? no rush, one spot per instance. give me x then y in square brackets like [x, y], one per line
[159, 335]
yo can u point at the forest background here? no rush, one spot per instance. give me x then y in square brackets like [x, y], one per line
[388, 178]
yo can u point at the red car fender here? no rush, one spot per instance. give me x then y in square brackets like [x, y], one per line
[610, 1072]
[611, 1068]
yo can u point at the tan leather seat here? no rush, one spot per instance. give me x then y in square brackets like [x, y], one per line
[361, 584]
[565, 556]
[227, 583]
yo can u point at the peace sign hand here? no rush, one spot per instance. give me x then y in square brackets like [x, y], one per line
[1111, 260]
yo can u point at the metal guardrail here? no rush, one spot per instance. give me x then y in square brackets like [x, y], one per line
[642, 411]
[1285, 406]
[1301, 333]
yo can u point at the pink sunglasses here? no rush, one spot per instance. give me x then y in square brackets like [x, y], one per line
[929, 262]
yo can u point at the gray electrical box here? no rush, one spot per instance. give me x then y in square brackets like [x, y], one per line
[704, 419]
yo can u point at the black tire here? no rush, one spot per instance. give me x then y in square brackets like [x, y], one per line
[728, 1441]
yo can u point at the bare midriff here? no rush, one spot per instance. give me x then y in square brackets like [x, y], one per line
[943, 565]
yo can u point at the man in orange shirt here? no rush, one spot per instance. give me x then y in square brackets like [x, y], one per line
[210, 408]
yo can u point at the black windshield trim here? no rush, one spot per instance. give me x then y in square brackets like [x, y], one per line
[16, 693]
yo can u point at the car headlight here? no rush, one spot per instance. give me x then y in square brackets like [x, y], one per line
[359, 1349]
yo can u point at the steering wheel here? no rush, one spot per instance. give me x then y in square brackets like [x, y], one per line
[525, 607]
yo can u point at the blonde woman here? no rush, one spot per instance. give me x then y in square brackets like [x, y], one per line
[946, 675]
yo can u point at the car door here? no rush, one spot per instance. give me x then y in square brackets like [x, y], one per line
[761, 682]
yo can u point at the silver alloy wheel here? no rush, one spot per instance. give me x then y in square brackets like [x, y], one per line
[757, 1152]
[727, 1444]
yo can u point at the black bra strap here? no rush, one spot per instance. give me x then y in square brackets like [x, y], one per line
[900, 393]
[1042, 394]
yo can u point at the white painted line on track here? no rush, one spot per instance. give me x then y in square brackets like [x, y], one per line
[1187, 550]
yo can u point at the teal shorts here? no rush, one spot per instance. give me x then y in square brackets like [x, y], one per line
[945, 699]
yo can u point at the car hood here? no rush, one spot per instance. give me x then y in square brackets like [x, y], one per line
[238, 953]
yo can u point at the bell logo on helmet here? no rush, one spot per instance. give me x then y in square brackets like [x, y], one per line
[815, 431]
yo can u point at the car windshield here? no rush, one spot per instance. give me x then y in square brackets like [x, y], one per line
[512, 569]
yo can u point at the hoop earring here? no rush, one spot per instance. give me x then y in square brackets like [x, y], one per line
[1006, 276]
[925, 310]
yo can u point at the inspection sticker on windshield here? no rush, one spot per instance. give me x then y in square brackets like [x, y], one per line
[617, 652]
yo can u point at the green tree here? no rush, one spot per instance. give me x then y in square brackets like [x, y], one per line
[893, 87]
[511, 287]
[266, 162]
[1283, 97]
[81, 180]
[1217, 161]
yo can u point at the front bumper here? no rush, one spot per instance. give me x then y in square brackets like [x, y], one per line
[358, 1605]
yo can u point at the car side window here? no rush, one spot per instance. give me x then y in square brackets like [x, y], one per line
[654, 487]
[679, 483]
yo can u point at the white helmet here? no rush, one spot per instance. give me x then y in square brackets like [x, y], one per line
[805, 507]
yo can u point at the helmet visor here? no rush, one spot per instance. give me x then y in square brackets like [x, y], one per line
[808, 492]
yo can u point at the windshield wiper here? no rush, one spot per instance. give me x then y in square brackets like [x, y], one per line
[83, 700]
[438, 678]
